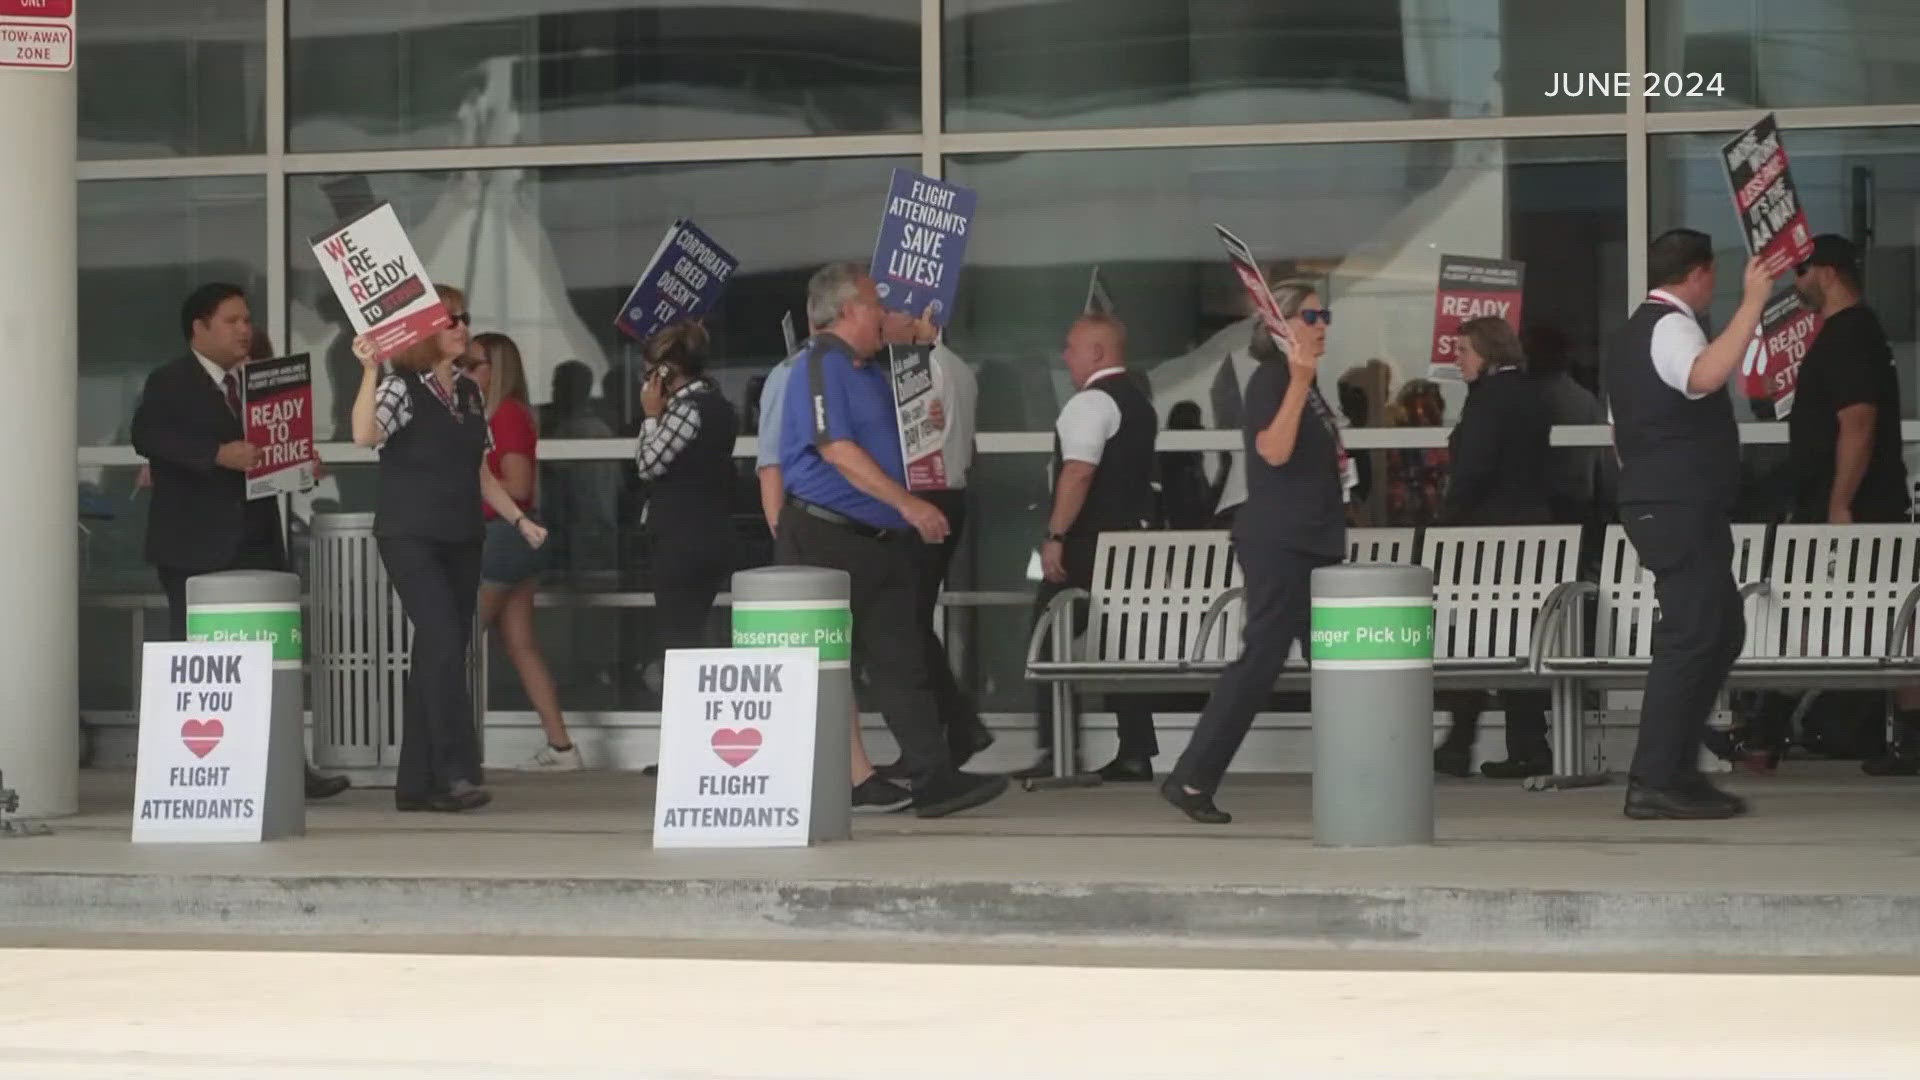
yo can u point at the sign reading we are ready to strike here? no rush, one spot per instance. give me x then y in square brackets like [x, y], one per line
[736, 748]
[205, 710]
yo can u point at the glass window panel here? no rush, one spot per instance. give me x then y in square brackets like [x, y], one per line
[144, 245]
[1777, 54]
[171, 79]
[1861, 183]
[1042, 64]
[371, 74]
[548, 255]
[1370, 220]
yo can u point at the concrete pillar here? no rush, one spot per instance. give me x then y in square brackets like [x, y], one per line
[807, 602]
[39, 575]
[1372, 659]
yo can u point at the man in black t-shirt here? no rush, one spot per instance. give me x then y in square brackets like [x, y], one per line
[1844, 432]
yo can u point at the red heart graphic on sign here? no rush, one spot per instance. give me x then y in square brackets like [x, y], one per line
[201, 736]
[736, 748]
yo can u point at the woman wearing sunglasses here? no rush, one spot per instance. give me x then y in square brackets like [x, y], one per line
[1293, 522]
[1500, 453]
[429, 421]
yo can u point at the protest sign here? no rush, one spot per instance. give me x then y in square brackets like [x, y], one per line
[736, 748]
[787, 333]
[1471, 288]
[1771, 370]
[1260, 295]
[1764, 197]
[923, 241]
[205, 712]
[683, 280]
[279, 419]
[923, 434]
[378, 279]
[1098, 302]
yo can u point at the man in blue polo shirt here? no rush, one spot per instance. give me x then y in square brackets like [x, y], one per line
[848, 509]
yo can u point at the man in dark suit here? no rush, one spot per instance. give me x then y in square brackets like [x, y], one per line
[188, 426]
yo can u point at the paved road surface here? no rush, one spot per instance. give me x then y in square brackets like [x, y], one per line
[205, 1015]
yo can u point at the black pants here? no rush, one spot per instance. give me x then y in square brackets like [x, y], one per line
[438, 583]
[1526, 712]
[1135, 720]
[259, 550]
[690, 566]
[957, 713]
[889, 642]
[1279, 613]
[1698, 637]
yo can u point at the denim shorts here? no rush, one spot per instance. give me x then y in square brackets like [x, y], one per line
[506, 559]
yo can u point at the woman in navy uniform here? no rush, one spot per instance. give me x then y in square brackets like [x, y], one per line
[429, 420]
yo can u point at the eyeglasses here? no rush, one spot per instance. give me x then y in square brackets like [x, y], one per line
[458, 318]
[1310, 315]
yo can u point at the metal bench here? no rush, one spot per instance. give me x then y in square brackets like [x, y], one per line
[1154, 601]
[1827, 606]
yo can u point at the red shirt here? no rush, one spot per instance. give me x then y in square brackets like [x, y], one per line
[513, 433]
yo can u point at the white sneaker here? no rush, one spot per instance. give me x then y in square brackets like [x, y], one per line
[551, 760]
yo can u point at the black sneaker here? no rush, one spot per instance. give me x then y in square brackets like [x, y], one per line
[960, 791]
[894, 771]
[1702, 788]
[1682, 802]
[1516, 768]
[878, 795]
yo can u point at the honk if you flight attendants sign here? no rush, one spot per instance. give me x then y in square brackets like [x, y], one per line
[205, 708]
[736, 748]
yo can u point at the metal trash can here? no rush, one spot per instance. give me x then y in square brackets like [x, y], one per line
[360, 642]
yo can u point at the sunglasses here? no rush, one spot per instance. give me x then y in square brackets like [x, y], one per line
[1311, 316]
[458, 318]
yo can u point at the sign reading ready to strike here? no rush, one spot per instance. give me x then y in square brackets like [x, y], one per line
[1471, 288]
[279, 416]
[736, 748]
[204, 713]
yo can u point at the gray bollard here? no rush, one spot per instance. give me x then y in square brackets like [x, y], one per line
[1372, 661]
[264, 605]
[810, 603]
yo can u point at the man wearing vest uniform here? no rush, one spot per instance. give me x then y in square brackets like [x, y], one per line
[1102, 482]
[1679, 474]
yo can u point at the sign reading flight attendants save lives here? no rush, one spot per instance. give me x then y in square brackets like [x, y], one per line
[923, 241]
[36, 34]
[279, 416]
[378, 279]
[1471, 288]
[736, 748]
[205, 708]
[683, 280]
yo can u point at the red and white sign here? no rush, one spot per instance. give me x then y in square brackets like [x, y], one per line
[378, 279]
[1470, 288]
[279, 417]
[36, 34]
[1771, 370]
[736, 748]
[1764, 196]
[205, 710]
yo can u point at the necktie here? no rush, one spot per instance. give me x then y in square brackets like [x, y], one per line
[232, 383]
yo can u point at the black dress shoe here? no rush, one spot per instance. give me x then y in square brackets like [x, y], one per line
[966, 740]
[1198, 807]
[1701, 788]
[1128, 770]
[322, 786]
[1448, 761]
[1039, 770]
[1683, 802]
[1516, 768]
[464, 797]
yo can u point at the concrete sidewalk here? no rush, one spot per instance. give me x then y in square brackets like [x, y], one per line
[1828, 866]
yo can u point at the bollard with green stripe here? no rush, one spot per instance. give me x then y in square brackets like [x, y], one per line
[1371, 650]
[264, 605]
[787, 607]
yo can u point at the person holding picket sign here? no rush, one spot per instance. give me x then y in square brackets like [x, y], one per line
[1293, 522]
[428, 419]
